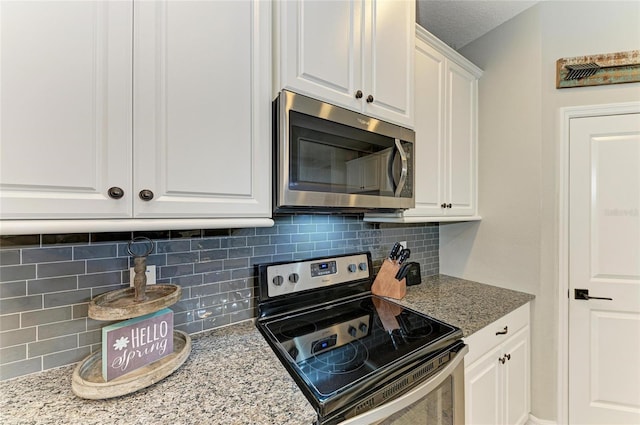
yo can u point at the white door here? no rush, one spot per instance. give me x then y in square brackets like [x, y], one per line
[429, 106]
[65, 113]
[461, 141]
[388, 60]
[202, 140]
[604, 258]
[321, 54]
[516, 378]
[484, 390]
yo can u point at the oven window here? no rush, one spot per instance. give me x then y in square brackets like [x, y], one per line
[330, 157]
[436, 408]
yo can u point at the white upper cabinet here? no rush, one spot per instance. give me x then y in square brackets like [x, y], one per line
[352, 53]
[202, 108]
[167, 101]
[65, 120]
[446, 104]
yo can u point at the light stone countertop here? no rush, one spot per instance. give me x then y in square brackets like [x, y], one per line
[232, 376]
[463, 303]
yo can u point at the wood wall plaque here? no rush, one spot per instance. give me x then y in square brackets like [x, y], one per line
[596, 70]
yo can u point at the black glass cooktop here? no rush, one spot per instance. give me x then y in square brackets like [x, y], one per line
[334, 348]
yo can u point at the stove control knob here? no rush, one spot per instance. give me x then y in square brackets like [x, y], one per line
[352, 331]
[362, 266]
[362, 327]
[294, 277]
[278, 280]
[352, 268]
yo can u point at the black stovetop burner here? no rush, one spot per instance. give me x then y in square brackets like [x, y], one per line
[341, 350]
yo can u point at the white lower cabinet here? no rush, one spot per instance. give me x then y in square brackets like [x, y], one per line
[497, 372]
[135, 110]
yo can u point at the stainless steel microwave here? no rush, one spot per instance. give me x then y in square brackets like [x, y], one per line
[330, 159]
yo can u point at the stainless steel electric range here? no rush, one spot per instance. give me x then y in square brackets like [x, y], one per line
[357, 357]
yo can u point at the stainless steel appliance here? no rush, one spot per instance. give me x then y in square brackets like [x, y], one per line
[359, 358]
[330, 159]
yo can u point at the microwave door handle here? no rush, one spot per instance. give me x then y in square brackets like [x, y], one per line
[403, 171]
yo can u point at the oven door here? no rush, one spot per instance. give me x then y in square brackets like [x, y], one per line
[437, 401]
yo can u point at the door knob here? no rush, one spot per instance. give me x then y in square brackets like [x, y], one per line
[583, 294]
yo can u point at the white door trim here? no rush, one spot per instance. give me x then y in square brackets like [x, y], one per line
[566, 114]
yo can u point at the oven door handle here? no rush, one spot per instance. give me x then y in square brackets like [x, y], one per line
[384, 411]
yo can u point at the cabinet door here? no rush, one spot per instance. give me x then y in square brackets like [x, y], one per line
[388, 59]
[483, 390]
[202, 108]
[429, 155]
[516, 378]
[66, 109]
[320, 49]
[461, 152]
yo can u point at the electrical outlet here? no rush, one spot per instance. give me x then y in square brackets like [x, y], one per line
[151, 275]
[403, 243]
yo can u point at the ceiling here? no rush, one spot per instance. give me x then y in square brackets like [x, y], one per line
[459, 22]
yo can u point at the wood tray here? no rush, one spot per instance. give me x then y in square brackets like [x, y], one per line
[87, 381]
[120, 304]
[386, 284]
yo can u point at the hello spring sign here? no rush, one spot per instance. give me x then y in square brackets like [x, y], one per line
[134, 343]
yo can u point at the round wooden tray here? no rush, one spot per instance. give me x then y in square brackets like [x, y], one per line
[87, 381]
[120, 304]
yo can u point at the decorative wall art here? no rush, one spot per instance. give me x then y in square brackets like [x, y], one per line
[596, 70]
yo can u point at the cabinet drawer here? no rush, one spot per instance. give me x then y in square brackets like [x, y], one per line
[485, 339]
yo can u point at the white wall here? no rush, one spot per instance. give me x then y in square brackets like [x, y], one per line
[516, 243]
